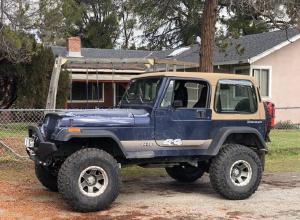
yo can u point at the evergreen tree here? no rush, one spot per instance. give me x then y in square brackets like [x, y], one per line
[169, 24]
[34, 83]
[95, 21]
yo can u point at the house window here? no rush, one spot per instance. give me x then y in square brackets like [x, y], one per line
[263, 78]
[81, 91]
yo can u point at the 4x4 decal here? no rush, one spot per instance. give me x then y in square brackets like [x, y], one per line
[172, 142]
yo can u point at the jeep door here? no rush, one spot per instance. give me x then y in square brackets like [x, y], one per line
[183, 117]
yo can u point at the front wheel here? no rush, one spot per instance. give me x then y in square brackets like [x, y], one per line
[236, 172]
[185, 173]
[89, 180]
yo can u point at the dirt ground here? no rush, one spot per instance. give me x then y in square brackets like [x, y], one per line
[22, 197]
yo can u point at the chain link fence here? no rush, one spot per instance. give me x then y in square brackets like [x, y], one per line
[14, 127]
[14, 124]
[286, 125]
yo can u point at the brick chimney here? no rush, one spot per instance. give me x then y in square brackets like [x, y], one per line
[74, 47]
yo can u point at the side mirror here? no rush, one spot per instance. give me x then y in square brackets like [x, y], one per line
[177, 104]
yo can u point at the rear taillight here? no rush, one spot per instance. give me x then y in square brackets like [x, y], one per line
[271, 112]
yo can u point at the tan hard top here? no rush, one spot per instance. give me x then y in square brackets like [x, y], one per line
[213, 78]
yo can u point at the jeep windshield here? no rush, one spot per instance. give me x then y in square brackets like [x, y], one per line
[142, 91]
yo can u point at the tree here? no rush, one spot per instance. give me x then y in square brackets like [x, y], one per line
[208, 29]
[95, 21]
[9, 75]
[25, 66]
[243, 23]
[275, 14]
[169, 24]
[250, 17]
[50, 24]
[127, 23]
[173, 23]
[33, 83]
[17, 18]
[63, 90]
[15, 47]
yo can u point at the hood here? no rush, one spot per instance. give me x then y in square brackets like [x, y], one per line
[102, 117]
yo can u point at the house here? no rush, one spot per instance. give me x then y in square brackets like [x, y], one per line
[99, 77]
[273, 58]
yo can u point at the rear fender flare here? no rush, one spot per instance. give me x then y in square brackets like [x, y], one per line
[224, 133]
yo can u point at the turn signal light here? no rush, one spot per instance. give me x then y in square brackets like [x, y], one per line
[74, 130]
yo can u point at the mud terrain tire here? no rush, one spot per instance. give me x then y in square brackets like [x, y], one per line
[85, 170]
[226, 175]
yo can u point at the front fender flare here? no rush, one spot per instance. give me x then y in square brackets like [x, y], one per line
[64, 136]
[224, 132]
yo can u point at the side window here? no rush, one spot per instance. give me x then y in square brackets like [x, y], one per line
[227, 102]
[186, 94]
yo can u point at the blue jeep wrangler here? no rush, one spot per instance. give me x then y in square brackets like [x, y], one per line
[187, 123]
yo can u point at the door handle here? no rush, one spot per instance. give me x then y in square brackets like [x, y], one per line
[201, 114]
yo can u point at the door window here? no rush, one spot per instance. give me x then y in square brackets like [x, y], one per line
[186, 94]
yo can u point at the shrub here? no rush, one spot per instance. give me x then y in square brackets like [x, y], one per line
[285, 125]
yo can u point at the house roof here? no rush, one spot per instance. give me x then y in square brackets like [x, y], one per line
[246, 49]
[113, 53]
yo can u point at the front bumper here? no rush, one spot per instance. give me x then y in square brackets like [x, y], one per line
[37, 148]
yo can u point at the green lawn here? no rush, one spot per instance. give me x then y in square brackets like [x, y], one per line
[284, 151]
[283, 156]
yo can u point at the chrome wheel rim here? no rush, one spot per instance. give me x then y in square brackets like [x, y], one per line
[93, 181]
[240, 173]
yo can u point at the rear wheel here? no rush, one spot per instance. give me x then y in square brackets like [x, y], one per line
[46, 177]
[89, 180]
[236, 172]
[185, 173]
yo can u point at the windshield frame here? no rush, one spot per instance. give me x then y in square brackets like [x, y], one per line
[125, 102]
